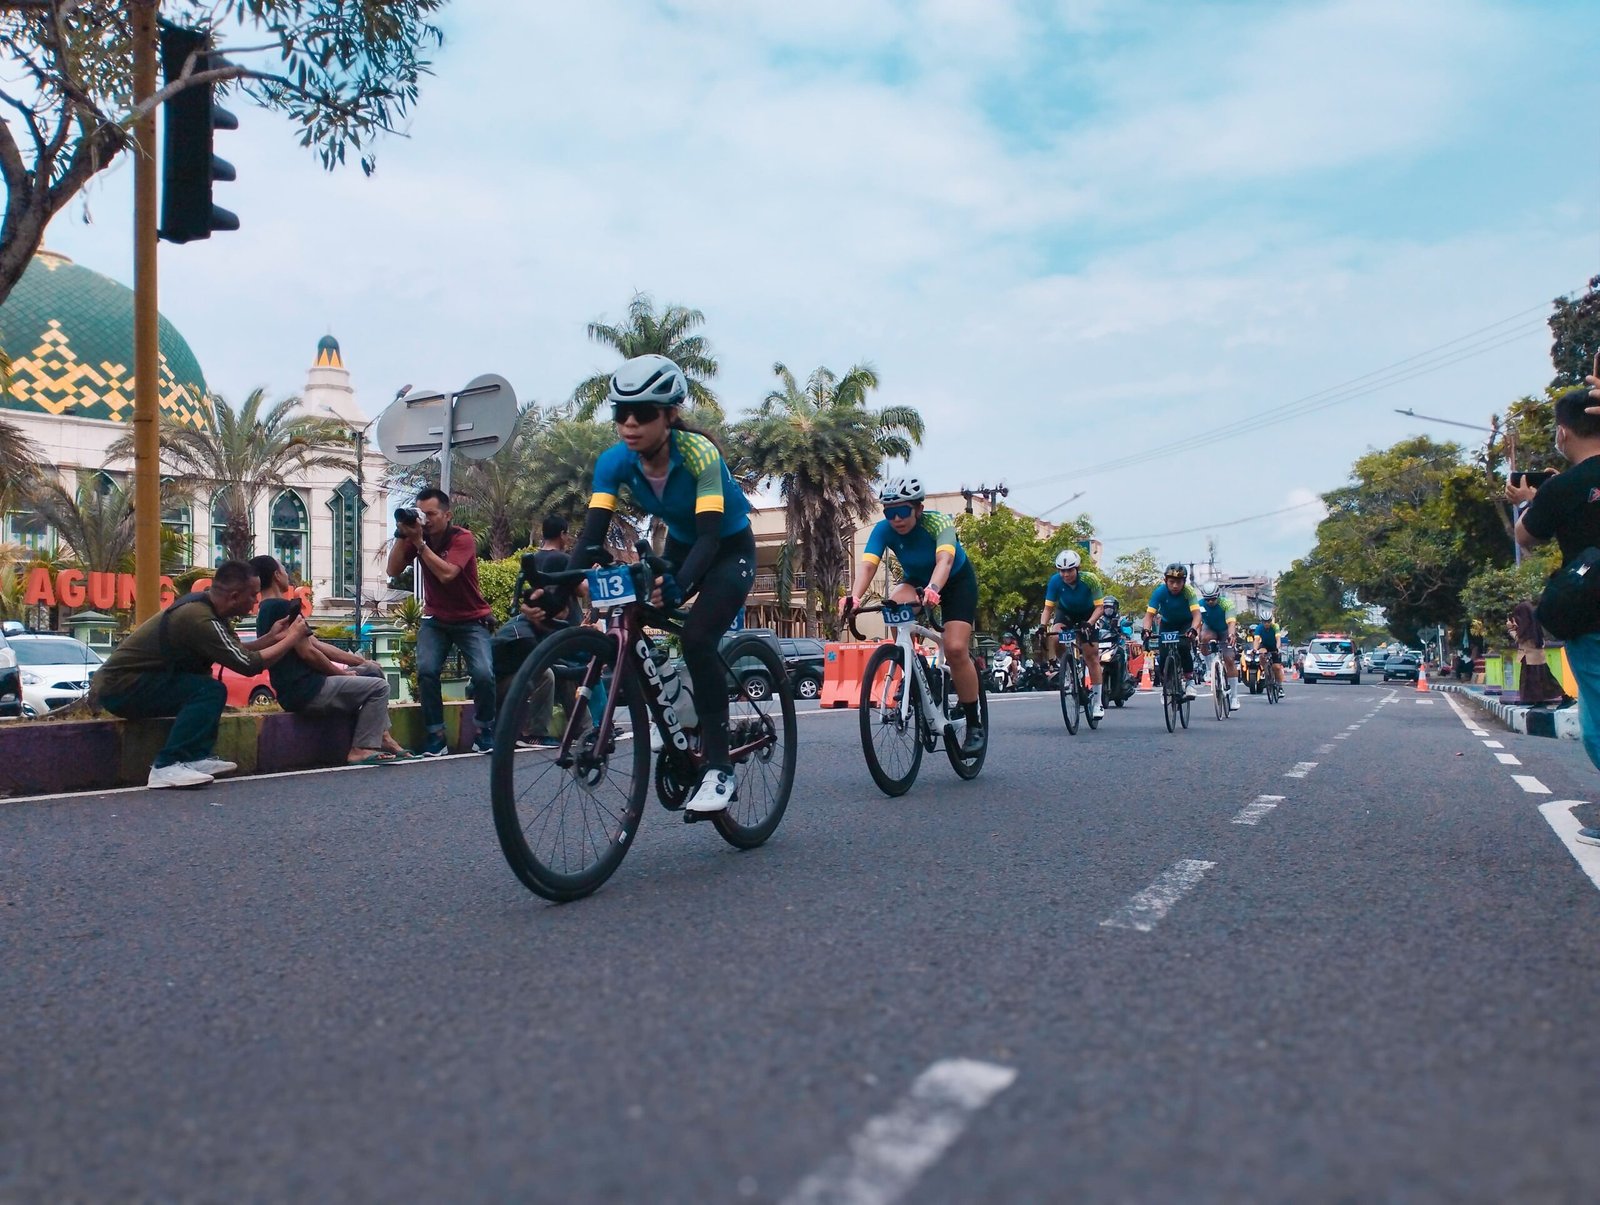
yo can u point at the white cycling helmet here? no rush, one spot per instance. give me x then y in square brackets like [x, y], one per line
[1068, 559]
[1212, 592]
[902, 489]
[653, 379]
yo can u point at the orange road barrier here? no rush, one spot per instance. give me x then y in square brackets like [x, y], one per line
[842, 667]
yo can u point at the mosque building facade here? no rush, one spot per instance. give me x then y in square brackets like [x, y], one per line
[69, 334]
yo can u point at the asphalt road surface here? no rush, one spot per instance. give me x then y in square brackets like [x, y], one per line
[1328, 950]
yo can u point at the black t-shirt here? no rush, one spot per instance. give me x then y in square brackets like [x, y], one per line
[553, 560]
[1568, 508]
[293, 681]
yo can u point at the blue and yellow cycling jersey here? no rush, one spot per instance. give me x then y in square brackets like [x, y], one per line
[1076, 602]
[1176, 609]
[1216, 615]
[697, 481]
[919, 548]
[1267, 633]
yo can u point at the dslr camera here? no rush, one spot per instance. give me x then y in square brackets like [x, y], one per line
[407, 516]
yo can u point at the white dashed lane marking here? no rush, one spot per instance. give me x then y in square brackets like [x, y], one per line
[1147, 908]
[1530, 784]
[1253, 811]
[1301, 769]
[892, 1151]
[1507, 759]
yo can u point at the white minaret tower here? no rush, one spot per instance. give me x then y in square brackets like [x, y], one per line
[328, 393]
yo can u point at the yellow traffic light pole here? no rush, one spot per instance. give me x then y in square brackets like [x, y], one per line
[146, 395]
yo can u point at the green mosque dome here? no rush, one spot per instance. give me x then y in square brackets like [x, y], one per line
[69, 333]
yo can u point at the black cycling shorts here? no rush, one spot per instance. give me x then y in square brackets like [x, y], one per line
[958, 601]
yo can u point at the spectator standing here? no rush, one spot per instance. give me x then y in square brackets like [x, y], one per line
[1535, 683]
[529, 624]
[323, 679]
[455, 615]
[1566, 508]
[163, 668]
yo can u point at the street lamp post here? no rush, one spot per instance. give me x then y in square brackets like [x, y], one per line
[1511, 446]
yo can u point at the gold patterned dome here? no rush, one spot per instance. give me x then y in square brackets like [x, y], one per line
[69, 332]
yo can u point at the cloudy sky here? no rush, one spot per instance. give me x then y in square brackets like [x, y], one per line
[1100, 245]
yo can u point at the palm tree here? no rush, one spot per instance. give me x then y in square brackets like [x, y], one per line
[825, 448]
[95, 521]
[666, 334]
[20, 459]
[243, 455]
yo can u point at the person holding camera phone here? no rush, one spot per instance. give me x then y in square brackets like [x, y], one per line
[1567, 508]
[455, 614]
[324, 679]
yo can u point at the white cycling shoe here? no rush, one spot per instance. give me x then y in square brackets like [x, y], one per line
[714, 792]
[1233, 701]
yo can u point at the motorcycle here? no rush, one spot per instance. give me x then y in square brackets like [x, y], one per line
[1118, 686]
[1000, 672]
[1034, 676]
[1251, 669]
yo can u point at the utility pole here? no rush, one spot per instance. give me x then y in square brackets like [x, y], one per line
[146, 396]
[989, 492]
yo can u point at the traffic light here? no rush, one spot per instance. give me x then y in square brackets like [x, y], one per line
[188, 167]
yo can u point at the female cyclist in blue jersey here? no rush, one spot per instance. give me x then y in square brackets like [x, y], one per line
[678, 474]
[938, 573]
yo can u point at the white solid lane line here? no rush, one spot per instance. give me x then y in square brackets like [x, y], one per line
[1558, 812]
[1144, 910]
[1530, 784]
[1253, 812]
[893, 1150]
[1302, 768]
[1507, 759]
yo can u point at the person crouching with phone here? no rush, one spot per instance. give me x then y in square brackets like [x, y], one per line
[323, 679]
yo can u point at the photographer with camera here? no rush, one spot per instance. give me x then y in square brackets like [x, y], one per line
[323, 679]
[532, 619]
[455, 614]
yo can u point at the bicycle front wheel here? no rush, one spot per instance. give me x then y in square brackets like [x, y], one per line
[763, 738]
[891, 736]
[1170, 693]
[567, 816]
[1273, 689]
[1219, 695]
[1071, 671]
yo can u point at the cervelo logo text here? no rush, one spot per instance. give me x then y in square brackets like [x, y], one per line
[674, 729]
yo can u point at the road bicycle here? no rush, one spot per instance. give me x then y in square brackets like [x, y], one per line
[1274, 687]
[567, 815]
[1217, 680]
[1074, 689]
[897, 724]
[1169, 677]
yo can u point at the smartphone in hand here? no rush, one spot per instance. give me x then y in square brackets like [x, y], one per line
[1533, 477]
[295, 607]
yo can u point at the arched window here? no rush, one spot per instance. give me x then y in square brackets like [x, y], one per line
[28, 528]
[101, 482]
[291, 535]
[219, 530]
[347, 506]
[178, 518]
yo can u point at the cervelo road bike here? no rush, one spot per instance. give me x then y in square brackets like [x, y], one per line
[898, 724]
[1217, 679]
[1169, 677]
[1273, 686]
[567, 815]
[1074, 689]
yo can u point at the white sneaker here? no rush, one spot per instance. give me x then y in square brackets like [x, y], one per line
[1097, 710]
[212, 766]
[176, 775]
[1233, 700]
[1189, 691]
[715, 791]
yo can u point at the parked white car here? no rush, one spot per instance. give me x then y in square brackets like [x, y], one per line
[55, 670]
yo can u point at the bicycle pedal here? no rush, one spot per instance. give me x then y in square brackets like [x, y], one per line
[695, 817]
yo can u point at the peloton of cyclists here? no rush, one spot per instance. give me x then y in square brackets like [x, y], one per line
[1077, 597]
[937, 573]
[678, 474]
[1177, 606]
[1221, 625]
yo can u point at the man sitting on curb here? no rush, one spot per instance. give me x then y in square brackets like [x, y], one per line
[163, 668]
[323, 679]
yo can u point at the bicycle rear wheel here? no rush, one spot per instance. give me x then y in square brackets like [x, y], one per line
[1219, 695]
[968, 767]
[567, 816]
[764, 740]
[1274, 691]
[891, 740]
[1170, 691]
[1071, 671]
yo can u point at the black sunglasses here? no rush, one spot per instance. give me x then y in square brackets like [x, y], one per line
[643, 413]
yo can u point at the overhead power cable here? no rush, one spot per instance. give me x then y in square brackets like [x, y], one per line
[1189, 531]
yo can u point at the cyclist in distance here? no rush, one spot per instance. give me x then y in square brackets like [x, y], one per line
[672, 471]
[1077, 598]
[1266, 634]
[938, 573]
[1177, 604]
[1217, 615]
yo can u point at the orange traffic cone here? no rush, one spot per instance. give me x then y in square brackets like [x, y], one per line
[1422, 677]
[1147, 680]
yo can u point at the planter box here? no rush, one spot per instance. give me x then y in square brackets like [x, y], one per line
[44, 757]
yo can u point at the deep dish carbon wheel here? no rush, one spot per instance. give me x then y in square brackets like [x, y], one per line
[567, 817]
[1071, 671]
[1274, 691]
[1219, 693]
[891, 741]
[1171, 691]
[968, 767]
[763, 727]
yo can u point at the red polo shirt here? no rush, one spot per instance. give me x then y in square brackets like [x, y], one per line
[458, 600]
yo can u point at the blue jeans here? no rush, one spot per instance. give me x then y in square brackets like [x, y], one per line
[434, 641]
[194, 700]
[1583, 655]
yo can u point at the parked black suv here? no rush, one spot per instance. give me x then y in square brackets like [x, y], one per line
[10, 682]
[804, 658]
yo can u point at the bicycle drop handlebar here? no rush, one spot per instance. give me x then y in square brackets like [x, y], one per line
[927, 620]
[644, 572]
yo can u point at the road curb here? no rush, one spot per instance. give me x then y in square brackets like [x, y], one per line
[1531, 721]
